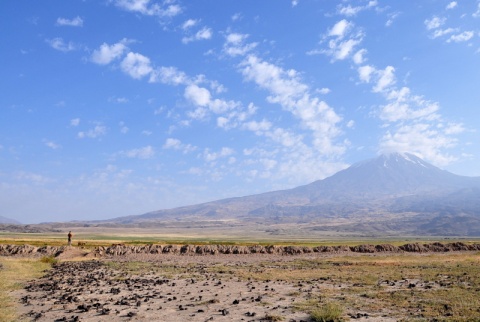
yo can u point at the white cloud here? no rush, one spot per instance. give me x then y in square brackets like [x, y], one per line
[202, 99]
[236, 17]
[75, 22]
[435, 22]
[203, 34]
[199, 113]
[454, 128]
[118, 100]
[286, 89]
[144, 7]
[414, 125]
[258, 127]
[199, 96]
[350, 11]
[476, 14]
[236, 38]
[442, 32]
[75, 122]
[359, 57]
[285, 138]
[451, 5]
[365, 73]
[283, 85]
[189, 24]
[59, 44]
[171, 143]
[422, 139]
[344, 49]
[169, 75]
[340, 28]
[391, 19]
[213, 156]
[404, 106]
[33, 178]
[52, 145]
[171, 11]
[176, 144]
[97, 131]
[340, 48]
[462, 37]
[107, 53]
[235, 115]
[219, 106]
[385, 80]
[136, 65]
[324, 90]
[235, 45]
[146, 152]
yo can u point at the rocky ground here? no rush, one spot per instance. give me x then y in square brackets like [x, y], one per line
[219, 283]
[195, 288]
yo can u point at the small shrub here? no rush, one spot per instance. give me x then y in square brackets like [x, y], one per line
[270, 317]
[49, 260]
[330, 312]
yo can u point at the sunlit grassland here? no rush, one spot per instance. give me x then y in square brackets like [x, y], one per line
[14, 272]
[94, 239]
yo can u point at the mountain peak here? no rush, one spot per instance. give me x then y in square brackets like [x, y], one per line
[392, 174]
[396, 160]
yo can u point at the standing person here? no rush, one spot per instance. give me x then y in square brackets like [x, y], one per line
[70, 238]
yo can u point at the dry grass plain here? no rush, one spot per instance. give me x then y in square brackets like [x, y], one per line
[253, 287]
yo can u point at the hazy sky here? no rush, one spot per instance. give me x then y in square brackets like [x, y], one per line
[119, 107]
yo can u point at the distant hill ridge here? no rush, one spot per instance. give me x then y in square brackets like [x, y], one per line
[5, 220]
[396, 192]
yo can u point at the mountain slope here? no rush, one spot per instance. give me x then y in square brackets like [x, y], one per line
[388, 174]
[5, 220]
[388, 191]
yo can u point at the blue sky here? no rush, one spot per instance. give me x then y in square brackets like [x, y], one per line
[120, 107]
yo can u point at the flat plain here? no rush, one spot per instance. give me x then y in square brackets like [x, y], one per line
[80, 285]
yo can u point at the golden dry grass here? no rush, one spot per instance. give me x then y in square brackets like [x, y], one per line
[14, 273]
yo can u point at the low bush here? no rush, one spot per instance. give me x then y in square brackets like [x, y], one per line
[49, 260]
[330, 312]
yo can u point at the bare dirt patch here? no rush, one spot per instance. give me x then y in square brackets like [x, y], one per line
[258, 287]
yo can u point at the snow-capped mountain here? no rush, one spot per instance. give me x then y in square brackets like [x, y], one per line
[392, 191]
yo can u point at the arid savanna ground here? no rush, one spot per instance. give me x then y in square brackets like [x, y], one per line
[77, 285]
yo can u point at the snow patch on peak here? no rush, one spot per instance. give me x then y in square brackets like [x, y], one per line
[399, 156]
[392, 159]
